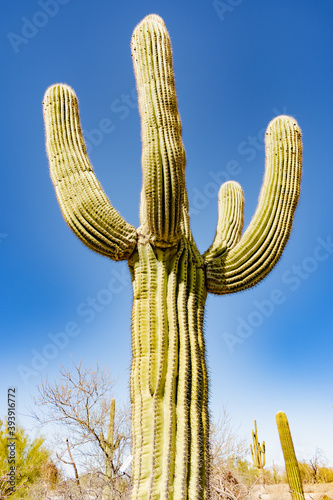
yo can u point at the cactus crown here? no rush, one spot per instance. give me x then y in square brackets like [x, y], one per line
[233, 261]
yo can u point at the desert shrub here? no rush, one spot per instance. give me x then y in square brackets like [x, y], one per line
[246, 471]
[31, 462]
[313, 471]
[326, 475]
[305, 471]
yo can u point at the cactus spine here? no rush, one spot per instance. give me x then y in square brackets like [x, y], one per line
[169, 385]
[293, 473]
[258, 451]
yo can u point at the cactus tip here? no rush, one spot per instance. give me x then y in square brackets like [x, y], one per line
[286, 120]
[55, 86]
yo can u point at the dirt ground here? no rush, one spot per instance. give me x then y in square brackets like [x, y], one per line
[281, 492]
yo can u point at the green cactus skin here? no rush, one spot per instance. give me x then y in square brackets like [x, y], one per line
[257, 451]
[169, 384]
[293, 473]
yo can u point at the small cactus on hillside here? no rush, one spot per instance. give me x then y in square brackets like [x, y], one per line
[258, 451]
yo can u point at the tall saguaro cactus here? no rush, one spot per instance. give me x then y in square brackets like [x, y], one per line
[169, 385]
[293, 472]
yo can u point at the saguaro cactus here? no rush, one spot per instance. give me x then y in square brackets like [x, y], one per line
[293, 473]
[108, 445]
[169, 385]
[258, 451]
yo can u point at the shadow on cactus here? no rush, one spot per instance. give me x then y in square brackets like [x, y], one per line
[169, 384]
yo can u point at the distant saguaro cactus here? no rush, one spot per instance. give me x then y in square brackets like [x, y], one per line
[108, 445]
[169, 384]
[258, 451]
[293, 473]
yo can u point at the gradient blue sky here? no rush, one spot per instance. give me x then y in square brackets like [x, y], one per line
[236, 68]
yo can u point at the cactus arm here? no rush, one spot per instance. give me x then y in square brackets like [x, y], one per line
[293, 473]
[230, 220]
[163, 155]
[263, 449]
[84, 205]
[254, 457]
[261, 246]
[117, 442]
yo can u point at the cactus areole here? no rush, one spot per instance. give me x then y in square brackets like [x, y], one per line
[169, 385]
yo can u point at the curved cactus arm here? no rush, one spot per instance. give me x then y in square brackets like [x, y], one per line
[163, 154]
[261, 246]
[230, 220]
[254, 458]
[263, 450]
[84, 204]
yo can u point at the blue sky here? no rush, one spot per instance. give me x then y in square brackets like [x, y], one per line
[237, 64]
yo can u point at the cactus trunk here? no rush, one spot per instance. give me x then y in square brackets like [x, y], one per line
[168, 380]
[293, 473]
